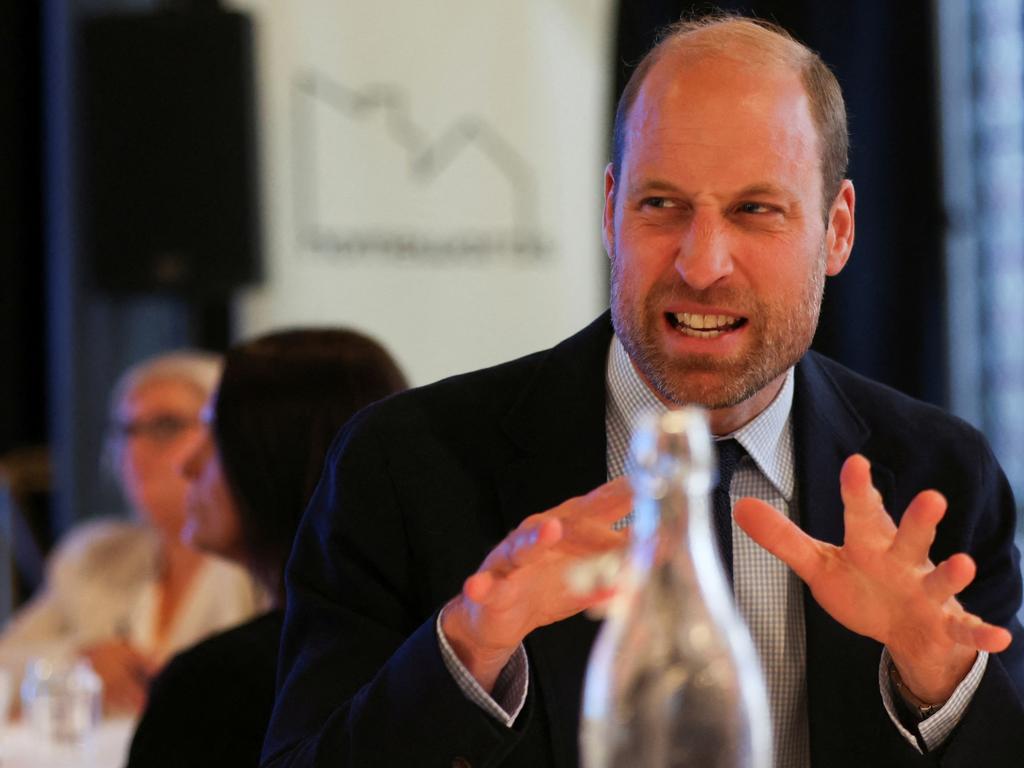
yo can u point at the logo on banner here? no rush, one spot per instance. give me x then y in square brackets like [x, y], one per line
[371, 182]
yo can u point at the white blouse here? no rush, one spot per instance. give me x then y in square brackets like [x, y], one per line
[102, 584]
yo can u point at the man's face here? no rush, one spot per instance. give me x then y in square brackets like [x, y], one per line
[715, 230]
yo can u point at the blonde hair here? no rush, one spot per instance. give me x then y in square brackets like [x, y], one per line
[200, 370]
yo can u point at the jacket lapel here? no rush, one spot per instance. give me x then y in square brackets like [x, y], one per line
[842, 681]
[558, 426]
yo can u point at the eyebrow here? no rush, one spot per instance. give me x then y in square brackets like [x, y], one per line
[759, 188]
[654, 185]
[766, 188]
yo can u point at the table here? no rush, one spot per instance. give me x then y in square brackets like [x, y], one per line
[20, 747]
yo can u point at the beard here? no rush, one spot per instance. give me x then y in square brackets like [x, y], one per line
[780, 330]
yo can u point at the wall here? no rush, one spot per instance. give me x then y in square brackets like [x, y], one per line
[433, 173]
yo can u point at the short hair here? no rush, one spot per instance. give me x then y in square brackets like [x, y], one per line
[718, 33]
[200, 370]
[282, 399]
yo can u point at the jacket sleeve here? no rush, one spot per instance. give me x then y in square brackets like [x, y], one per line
[991, 732]
[993, 724]
[361, 680]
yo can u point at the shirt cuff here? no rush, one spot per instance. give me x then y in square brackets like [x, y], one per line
[935, 729]
[510, 688]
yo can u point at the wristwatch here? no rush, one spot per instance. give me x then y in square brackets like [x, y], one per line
[920, 710]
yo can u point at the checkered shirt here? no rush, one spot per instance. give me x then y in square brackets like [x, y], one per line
[768, 595]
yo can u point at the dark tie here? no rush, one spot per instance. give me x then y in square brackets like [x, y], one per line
[729, 454]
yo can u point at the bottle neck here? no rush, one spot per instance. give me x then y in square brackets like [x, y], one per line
[672, 531]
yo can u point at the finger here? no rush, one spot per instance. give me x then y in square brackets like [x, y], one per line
[124, 696]
[607, 503]
[529, 546]
[137, 700]
[989, 637]
[135, 692]
[950, 577]
[781, 536]
[133, 657]
[864, 514]
[478, 586]
[524, 545]
[970, 630]
[590, 537]
[143, 670]
[916, 531]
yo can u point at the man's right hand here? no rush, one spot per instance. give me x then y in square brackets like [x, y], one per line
[521, 584]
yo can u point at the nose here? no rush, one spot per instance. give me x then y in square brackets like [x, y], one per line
[703, 258]
[192, 464]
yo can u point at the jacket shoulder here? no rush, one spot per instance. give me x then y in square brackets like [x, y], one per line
[483, 397]
[887, 410]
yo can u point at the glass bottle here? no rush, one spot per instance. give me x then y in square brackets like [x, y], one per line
[673, 679]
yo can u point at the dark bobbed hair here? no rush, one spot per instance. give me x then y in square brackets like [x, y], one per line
[281, 400]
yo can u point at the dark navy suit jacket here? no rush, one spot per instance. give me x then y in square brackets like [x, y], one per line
[418, 488]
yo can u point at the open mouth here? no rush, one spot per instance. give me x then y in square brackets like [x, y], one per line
[704, 326]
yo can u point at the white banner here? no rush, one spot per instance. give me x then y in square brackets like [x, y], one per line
[433, 172]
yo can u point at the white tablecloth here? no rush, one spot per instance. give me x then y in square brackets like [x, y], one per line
[20, 747]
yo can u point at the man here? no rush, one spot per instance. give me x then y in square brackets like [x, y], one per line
[726, 207]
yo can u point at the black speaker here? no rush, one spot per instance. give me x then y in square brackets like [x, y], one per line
[169, 185]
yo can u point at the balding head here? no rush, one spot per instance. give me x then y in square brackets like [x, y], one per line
[757, 44]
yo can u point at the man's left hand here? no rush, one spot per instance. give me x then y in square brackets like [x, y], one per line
[882, 584]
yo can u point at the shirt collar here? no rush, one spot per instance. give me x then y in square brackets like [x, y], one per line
[767, 438]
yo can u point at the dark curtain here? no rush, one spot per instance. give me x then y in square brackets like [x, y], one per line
[883, 315]
[23, 429]
[22, 352]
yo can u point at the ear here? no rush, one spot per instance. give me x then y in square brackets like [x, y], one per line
[839, 237]
[608, 220]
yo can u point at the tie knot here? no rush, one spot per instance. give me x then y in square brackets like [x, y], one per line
[729, 454]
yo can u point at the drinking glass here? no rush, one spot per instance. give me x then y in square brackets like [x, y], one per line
[62, 699]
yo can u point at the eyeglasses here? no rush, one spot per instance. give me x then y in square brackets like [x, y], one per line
[160, 429]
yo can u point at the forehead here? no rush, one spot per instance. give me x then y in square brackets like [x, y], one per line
[163, 395]
[711, 118]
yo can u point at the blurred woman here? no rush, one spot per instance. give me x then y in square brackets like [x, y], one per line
[129, 594]
[281, 400]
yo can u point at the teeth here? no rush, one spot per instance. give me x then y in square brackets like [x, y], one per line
[696, 322]
[704, 326]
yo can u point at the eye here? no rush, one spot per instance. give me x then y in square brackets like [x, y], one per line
[755, 208]
[161, 428]
[165, 428]
[657, 202]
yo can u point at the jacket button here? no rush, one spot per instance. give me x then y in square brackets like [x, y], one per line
[461, 762]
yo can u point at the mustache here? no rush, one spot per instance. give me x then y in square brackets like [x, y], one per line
[720, 296]
[737, 299]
